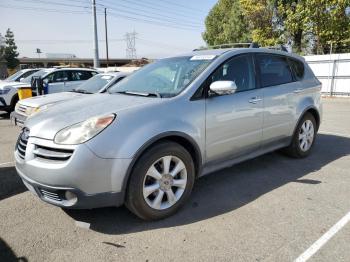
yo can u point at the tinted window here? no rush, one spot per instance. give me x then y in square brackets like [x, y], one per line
[240, 70]
[59, 76]
[28, 73]
[298, 68]
[274, 70]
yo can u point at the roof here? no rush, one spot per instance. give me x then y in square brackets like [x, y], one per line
[219, 52]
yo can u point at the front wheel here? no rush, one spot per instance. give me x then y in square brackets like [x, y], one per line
[304, 137]
[161, 181]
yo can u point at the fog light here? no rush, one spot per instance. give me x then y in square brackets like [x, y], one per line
[71, 197]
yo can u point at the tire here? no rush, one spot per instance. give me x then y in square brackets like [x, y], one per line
[148, 193]
[14, 101]
[301, 147]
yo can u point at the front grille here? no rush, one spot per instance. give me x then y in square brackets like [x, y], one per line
[54, 154]
[51, 195]
[22, 143]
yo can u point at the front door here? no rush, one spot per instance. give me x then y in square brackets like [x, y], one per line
[234, 122]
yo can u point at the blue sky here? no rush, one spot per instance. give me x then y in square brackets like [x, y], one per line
[168, 26]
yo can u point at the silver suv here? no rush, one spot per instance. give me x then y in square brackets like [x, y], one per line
[159, 129]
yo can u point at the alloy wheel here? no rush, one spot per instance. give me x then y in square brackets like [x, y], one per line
[165, 182]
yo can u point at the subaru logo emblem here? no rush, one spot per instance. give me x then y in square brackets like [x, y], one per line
[25, 134]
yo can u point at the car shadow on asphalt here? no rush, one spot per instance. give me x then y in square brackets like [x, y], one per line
[10, 183]
[226, 190]
[6, 253]
[4, 115]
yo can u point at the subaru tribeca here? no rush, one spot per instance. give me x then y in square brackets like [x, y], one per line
[144, 143]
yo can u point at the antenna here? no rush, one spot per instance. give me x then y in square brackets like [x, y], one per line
[130, 45]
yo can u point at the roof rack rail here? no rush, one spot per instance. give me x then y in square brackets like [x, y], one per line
[278, 47]
[230, 45]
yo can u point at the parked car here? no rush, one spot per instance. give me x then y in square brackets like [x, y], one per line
[159, 129]
[20, 75]
[30, 106]
[57, 80]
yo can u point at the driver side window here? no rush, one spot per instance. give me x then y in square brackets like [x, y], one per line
[240, 70]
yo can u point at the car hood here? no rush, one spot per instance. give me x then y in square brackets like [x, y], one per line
[47, 123]
[38, 101]
[12, 84]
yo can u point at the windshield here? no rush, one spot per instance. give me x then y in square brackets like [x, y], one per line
[164, 78]
[94, 84]
[28, 79]
[14, 76]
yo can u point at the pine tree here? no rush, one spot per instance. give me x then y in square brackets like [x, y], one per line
[10, 52]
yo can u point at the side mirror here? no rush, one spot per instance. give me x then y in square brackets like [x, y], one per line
[223, 87]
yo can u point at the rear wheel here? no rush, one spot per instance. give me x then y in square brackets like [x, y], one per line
[304, 137]
[161, 181]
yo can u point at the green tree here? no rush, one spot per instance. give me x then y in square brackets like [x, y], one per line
[292, 15]
[10, 52]
[328, 21]
[225, 23]
[263, 22]
[2, 47]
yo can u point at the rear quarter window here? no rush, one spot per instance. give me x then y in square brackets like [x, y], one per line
[298, 68]
[274, 70]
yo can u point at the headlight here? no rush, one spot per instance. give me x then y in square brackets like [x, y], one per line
[4, 91]
[82, 132]
[31, 110]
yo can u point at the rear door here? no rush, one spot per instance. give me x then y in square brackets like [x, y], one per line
[234, 122]
[278, 85]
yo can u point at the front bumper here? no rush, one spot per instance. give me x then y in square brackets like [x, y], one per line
[76, 199]
[96, 182]
[18, 119]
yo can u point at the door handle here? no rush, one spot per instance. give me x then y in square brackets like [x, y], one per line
[298, 90]
[254, 100]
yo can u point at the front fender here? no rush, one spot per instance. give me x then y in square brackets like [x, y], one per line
[132, 130]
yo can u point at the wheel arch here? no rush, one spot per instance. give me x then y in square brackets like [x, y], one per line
[314, 112]
[178, 137]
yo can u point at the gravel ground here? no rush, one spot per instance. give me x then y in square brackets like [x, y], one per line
[271, 208]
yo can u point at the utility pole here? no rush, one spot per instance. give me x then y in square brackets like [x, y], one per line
[96, 59]
[106, 31]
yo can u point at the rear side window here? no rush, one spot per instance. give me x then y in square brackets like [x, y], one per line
[298, 68]
[80, 75]
[274, 70]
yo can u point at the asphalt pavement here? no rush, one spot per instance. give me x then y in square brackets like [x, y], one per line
[272, 208]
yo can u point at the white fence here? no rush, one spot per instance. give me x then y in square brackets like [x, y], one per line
[333, 71]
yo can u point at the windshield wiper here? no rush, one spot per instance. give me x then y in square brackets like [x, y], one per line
[82, 91]
[139, 94]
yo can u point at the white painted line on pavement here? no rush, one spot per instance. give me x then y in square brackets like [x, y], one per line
[324, 239]
[7, 163]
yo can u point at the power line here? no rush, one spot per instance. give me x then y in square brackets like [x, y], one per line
[147, 21]
[184, 7]
[44, 9]
[52, 3]
[158, 19]
[164, 45]
[174, 19]
[159, 8]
